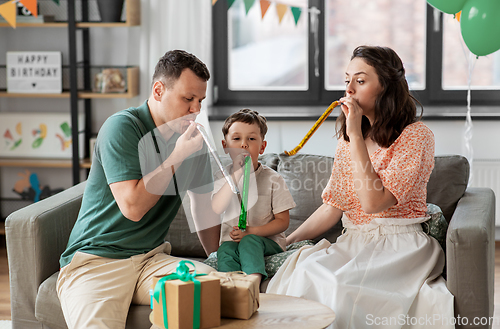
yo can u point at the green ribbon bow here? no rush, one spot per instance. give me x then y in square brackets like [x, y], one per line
[181, 273]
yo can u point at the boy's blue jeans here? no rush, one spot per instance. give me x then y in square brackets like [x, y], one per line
[246, 255]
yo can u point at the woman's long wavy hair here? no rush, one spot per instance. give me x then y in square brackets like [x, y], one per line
[395, 107]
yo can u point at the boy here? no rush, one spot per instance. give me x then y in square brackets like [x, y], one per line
[268, 218]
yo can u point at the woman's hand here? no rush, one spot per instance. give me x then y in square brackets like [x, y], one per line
[354, 115]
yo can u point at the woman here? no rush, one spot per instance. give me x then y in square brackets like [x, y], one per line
[383, 271]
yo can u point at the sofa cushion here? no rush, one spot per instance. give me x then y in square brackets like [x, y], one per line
[48, 308]
[306, 176]
[436, 226]
[270, 160]
[274, 262]
[184, 242]
[448, 182]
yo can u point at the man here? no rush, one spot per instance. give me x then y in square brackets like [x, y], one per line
[116, 245]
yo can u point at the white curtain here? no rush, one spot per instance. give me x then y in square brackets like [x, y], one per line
[174, 24]
[167, 25]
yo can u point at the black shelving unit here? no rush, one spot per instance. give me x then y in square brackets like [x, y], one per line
[78, 21]
[132, 7]
[73, 77]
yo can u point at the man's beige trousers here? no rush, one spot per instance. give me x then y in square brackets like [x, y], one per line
[96, 292]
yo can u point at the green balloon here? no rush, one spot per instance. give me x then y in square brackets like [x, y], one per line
[447, 6]
[480, 26]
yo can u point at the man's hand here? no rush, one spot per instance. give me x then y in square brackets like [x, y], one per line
[189, 142]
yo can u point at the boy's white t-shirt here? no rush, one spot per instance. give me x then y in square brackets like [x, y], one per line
[268, 194]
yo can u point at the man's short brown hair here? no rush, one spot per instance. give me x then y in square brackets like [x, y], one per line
[246, 116]
[170, 66]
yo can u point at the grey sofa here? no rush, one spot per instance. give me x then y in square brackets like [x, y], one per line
[37, 235]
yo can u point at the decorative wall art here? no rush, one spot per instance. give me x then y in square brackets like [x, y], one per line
[38, 135]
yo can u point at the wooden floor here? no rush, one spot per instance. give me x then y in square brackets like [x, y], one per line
[4, 282]
[5, 291]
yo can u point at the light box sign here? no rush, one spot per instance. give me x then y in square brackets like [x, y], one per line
[34, 72]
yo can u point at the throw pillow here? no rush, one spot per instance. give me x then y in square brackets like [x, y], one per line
[436, 226]
[212, 260]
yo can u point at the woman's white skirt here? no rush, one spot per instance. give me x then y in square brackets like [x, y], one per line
[385, 274]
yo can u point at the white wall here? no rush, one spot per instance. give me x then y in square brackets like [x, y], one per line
[449, 138]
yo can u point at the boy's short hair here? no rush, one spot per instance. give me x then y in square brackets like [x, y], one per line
[246, 116]
[170, 66]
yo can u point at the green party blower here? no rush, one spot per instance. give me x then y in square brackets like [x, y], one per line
[242, 197]
[242, 223]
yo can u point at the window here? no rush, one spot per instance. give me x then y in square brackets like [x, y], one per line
[399, 24]
[264, 53]
[486, 70]
[301, 60]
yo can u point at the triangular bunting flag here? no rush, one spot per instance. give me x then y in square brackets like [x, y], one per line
[56, 1]
[229, 3]
[264, 6]
[213, 2]
[8, 11]
[281, 9]
[31, 6]
[296, 11]
[248, 5]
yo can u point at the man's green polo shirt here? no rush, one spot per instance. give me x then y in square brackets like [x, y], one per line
[101, 229]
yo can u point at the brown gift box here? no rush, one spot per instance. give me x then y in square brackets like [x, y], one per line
[239, 294]
[180, 303]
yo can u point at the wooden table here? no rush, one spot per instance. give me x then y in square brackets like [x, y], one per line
[280, 311]
[283, 312]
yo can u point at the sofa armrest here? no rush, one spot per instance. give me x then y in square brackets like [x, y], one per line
[470, 255]
[36, 236]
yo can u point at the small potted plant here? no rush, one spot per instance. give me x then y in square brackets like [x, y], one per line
[110, 10]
